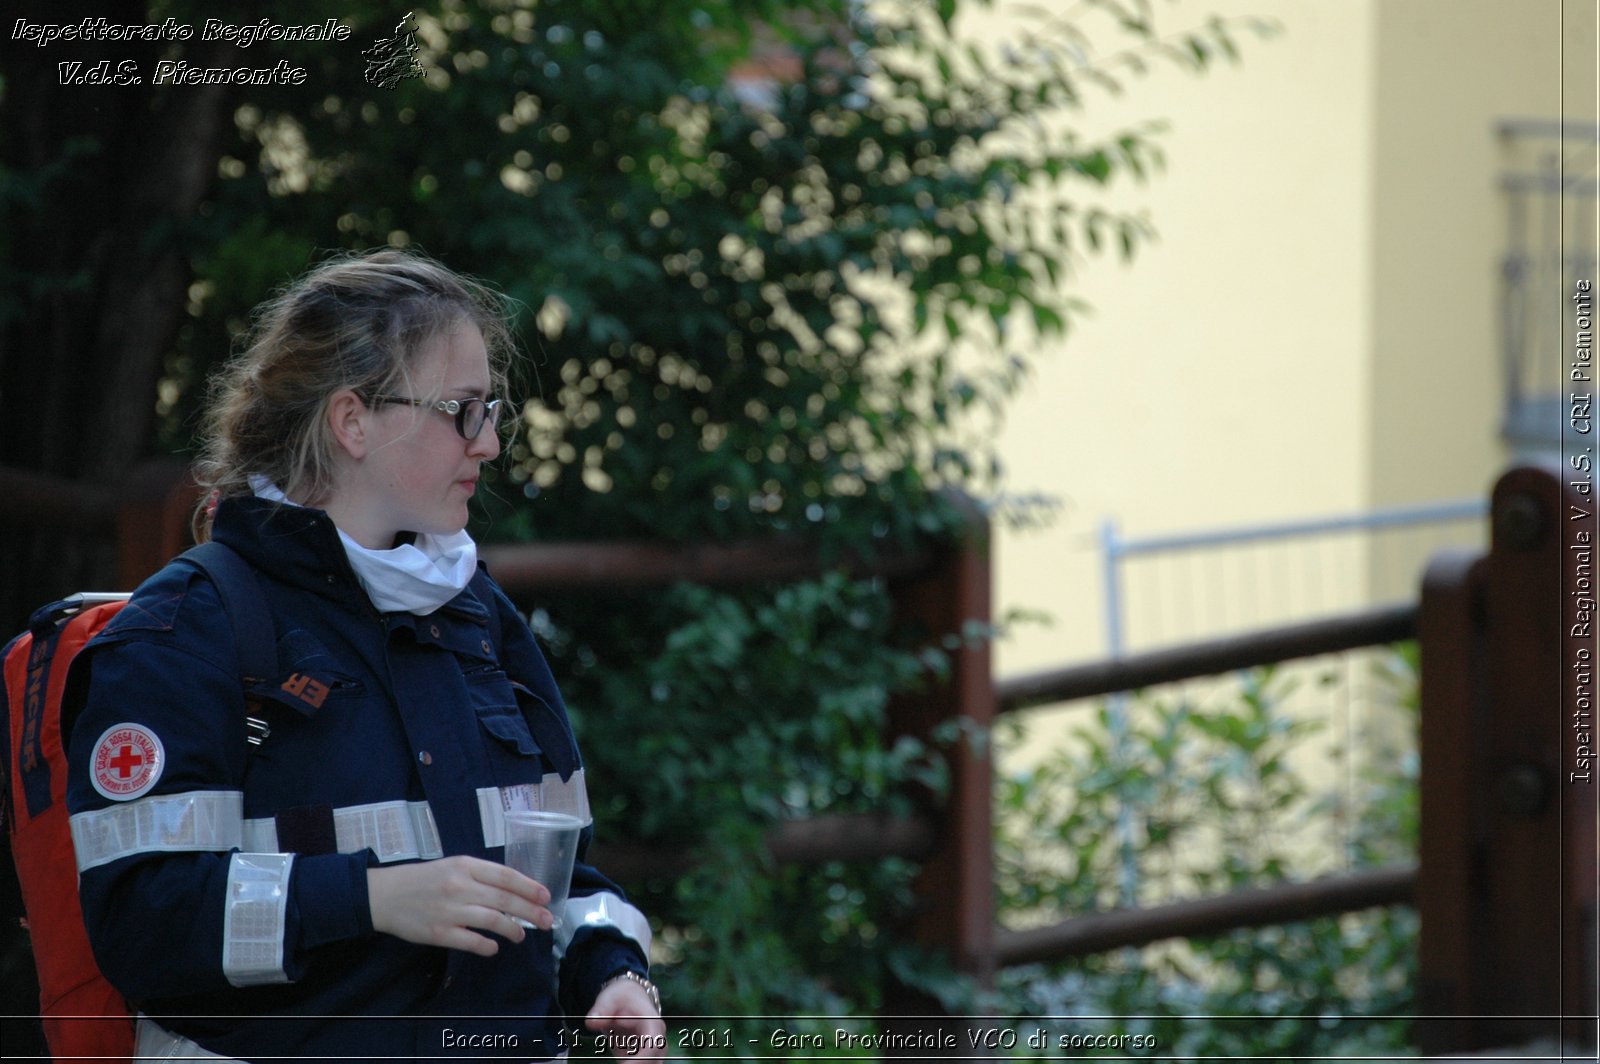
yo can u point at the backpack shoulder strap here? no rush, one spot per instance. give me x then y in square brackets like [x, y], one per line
[245, 605]
[5, 743]
[36, 665]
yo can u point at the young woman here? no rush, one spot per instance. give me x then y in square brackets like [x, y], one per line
[308, 864]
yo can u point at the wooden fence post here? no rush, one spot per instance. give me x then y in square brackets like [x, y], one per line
[1506, 910]
[955, 888]
[153, 510]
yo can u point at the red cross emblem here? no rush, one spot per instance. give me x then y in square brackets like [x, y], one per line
[127, 761]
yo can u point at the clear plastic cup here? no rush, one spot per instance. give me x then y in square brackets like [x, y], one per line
[542, 846]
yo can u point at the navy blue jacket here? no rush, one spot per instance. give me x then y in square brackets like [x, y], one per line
[224, 883]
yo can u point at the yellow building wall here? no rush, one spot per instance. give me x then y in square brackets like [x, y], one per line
[1315, 330]
[1447, 72]
[1218, 380]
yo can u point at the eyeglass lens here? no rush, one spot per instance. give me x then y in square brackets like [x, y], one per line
[474, 413]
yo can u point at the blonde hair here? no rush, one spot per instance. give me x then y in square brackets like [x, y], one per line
[356, 321]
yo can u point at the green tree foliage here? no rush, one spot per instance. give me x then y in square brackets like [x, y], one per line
[751, 305]
[720, 293]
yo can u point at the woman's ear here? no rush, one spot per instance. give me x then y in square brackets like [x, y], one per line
[348, 421]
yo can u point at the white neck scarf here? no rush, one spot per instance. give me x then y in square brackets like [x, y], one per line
[414, 577]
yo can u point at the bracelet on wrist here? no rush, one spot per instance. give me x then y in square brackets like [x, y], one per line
[634, 977]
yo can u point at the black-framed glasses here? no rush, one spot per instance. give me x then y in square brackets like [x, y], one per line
[470, 415]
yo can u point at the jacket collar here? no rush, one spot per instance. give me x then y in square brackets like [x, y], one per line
[300, 546]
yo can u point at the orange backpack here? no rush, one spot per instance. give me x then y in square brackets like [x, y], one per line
[82, 1014]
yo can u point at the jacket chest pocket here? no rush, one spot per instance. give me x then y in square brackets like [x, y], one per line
[551, 779]
[518, 723]
[494, 703]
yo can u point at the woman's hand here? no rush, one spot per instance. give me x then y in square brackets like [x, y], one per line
[439, 903]
[623, 1011]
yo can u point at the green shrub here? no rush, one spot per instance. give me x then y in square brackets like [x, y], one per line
[1216, 804]
[795, 316]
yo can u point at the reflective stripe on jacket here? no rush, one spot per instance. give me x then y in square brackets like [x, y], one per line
[224, 883]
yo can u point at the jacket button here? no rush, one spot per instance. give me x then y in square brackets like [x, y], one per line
[425, 757]
[487, 649]
[433, 630]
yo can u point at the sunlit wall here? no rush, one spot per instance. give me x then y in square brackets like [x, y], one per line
[1314, 332]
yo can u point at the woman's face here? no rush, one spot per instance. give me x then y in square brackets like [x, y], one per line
[418, 473]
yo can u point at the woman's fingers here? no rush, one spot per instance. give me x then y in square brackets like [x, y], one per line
[507, 891]
[447, 902]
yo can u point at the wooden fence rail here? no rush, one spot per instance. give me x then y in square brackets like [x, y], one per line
[1211, 657]
[60, 536]
[1099, 932]
[1505, 883]
[938, 592]
[1506, 879]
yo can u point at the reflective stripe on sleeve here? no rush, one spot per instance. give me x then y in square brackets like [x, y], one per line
[551, 794]
[164, 823]
[604, 909]
[256, 918]
[394, 831]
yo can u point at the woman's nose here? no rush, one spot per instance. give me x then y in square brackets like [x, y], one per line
[485, 445]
